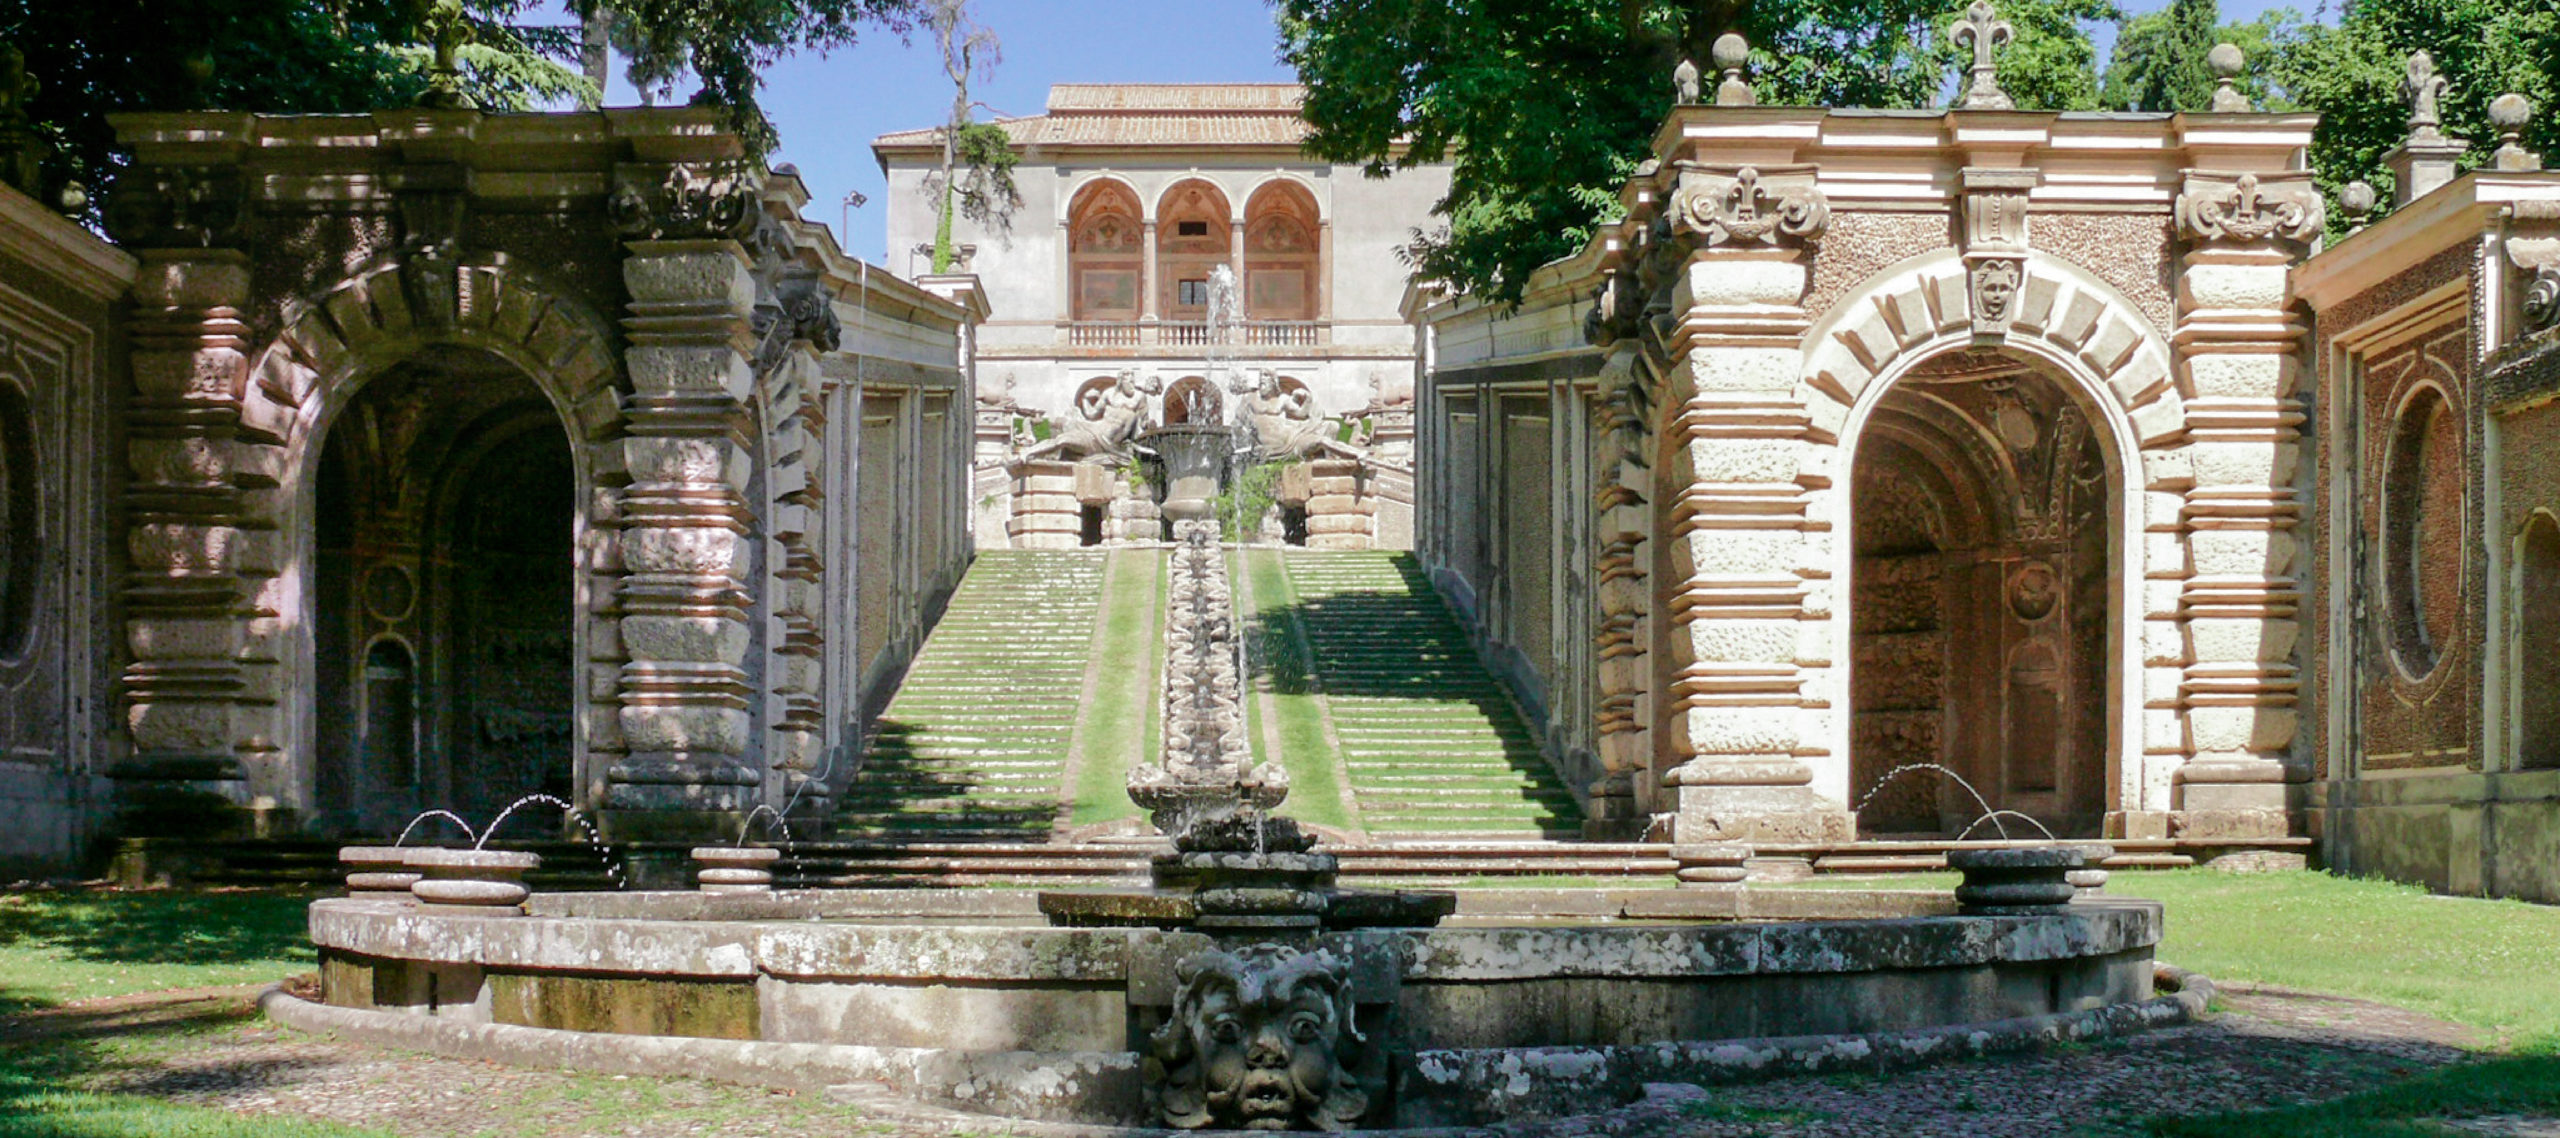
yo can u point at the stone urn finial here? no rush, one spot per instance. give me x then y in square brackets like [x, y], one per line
[1730, 54]
[2510, 113]
[1684, 84]
[1982, 30]
[2227, 62]
[2356, 200]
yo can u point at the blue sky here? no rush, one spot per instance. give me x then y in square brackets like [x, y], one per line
[829, 108]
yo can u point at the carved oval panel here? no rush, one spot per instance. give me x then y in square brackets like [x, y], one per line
[2422, 550]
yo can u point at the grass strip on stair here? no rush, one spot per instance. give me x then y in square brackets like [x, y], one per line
[1120, 725]
[1315, 770]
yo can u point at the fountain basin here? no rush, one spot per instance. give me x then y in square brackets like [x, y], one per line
[1195, 461]
[735, 869]
[487, 882]
[969, 998]
[379, 871]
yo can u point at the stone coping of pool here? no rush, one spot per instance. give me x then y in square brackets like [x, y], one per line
[927, 946]
[1474, 905]
[1624, 1092]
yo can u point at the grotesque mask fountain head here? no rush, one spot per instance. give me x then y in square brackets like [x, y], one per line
[1261, 1038]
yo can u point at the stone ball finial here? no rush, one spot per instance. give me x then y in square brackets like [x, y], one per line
[2509, 113]
[2227, 63]
[1730, 51]
[2226, 60]
[2357, 198]
[1730, 54]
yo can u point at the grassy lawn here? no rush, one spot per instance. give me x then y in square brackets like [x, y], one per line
[2484, 964]
[1122, 721]
[59, 947]
[1315, 771]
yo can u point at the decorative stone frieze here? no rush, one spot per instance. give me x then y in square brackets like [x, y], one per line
[177, 207]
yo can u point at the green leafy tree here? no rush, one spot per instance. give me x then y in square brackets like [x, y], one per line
[1544, 106]
[2352, 74]
[725, 45]
[88, 59]
[976, 177]
[2159, 59]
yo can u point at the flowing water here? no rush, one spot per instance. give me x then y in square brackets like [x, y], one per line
[1988, 814]
[447, 815]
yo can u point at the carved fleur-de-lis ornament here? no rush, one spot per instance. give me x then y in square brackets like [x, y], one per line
[2422, 88]
[1982, 30]
[2245, 212]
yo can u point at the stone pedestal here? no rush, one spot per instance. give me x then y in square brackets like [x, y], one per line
[1046, 511]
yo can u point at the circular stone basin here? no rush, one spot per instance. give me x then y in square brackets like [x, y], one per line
[1524, 1004]
[489, 882]
[381, 871]
[735, 869]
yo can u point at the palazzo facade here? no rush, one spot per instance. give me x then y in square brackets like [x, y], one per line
[1137, 201]
[1958, 472]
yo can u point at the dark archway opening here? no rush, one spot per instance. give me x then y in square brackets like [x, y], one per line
[444, 610]
[1979, 603]
[2537, 632]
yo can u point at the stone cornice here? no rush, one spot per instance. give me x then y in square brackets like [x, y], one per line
[56, 248]
[2458, 213]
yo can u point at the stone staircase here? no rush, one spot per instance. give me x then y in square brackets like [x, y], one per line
[1429, 742]
[974, 745]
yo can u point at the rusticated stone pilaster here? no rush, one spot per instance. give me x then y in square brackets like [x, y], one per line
[200, 700]
[686, 526]
[1737, 520]
[2241, 369]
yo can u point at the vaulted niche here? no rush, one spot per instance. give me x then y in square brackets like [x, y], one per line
[1979, 602]
[443, 595]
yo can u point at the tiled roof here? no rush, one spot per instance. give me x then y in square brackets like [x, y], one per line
[1150, 114]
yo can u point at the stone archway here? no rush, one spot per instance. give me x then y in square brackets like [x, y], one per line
[388, 320]
[442, 609]
[2092, 346]
[1978, 602]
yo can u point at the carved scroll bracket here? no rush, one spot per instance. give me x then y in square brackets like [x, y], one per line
[1748, 205]
[2282, 210]
[686, 201]
[2534, 249]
